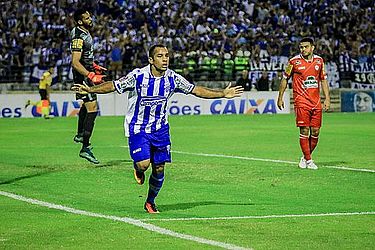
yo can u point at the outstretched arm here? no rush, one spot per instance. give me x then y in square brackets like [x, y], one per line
[228, 92]
[103, 88]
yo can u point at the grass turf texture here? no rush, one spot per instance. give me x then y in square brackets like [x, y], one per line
[39, 160]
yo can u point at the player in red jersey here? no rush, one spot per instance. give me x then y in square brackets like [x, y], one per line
[308, 73]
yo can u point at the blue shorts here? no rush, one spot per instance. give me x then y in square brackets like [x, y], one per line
[155, 146]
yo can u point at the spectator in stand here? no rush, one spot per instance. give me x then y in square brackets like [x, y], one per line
[275, 83]
[197, 25]
[116, 59]
[4, 62]
[244, 81]
[263, 82]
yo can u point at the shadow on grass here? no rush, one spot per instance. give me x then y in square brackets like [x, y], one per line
[113, 163]
[20, 178]
[188, 205]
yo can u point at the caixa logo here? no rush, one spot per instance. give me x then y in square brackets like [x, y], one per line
[244, 106]
[66, 108]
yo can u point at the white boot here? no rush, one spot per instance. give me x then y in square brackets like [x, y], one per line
[311, 165]
[302, 163]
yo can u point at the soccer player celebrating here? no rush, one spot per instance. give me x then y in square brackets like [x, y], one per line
[146, 122]
[308, 74]
[85, 71]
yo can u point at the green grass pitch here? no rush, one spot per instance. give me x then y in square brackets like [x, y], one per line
[224, 170]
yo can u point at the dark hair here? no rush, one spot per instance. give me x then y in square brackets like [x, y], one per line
[308, 40]
[78, 14]
[151, 51]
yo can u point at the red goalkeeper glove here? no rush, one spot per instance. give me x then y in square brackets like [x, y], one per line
[96, 79]
[98, 69]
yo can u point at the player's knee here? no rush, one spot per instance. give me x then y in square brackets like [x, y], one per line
[143, 165]
[91, 106]
[158, 168]
[304, 130]
[315, 132]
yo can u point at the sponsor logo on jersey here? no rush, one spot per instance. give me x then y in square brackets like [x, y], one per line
[301, 68]
[152, 100]
[310, 82]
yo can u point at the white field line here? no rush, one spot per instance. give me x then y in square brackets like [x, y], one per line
[270, 160]
[263, 216]
[266, 160]
[127, 220]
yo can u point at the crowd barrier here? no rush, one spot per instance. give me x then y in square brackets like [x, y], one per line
[113, 104]
[252, 103]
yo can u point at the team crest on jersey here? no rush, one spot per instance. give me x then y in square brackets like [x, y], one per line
[318, 62]
[316, 67]
[298, 62]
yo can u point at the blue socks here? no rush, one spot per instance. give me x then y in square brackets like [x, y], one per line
[155, 183]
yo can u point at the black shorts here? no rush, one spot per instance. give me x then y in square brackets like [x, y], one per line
[87, 97]
[43, 94]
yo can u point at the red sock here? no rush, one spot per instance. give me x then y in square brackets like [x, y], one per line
[313, 142]
[305, 146]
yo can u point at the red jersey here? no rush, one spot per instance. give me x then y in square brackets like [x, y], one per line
[307, 76]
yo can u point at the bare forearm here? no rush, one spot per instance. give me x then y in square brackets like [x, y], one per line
[207, 92]
[325, 89]
[103, 88]
[79, 67]
[282, 88]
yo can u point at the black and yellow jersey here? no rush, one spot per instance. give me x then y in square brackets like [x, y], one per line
[81, 41]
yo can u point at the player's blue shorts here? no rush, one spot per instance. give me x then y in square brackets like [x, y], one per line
[155, 146]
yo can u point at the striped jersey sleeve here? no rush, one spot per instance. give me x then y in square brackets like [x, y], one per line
[183, 85]
[125, 83]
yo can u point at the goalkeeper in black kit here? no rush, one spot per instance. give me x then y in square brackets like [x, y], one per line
[85, 71]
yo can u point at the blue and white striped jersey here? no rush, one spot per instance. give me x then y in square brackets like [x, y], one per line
[148, 98]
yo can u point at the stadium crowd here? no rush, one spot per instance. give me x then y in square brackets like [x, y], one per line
[198, 32]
